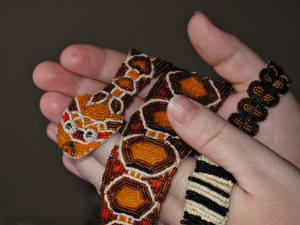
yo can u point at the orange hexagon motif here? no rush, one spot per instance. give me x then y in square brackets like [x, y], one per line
[156, 117]
[141, 64]
[194, 86]
[130, 197]
[147, 154]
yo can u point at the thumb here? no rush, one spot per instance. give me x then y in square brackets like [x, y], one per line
[242, 156]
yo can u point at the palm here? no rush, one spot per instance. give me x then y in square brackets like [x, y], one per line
[86, 69]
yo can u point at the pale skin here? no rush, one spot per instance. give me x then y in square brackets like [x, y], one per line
[266, 167]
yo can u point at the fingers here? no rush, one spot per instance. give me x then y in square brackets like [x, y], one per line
[52, 105]
[95, 63]
[175, 201]
[231, 59]
[51, 131]
[238, 64]
[90, 169]
[71, 166]
[51, 76]
[91, 61]
[102, 153]
[212, 136]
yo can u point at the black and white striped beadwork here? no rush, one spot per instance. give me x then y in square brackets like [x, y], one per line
[207, 197]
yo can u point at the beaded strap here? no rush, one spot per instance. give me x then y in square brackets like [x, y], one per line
[207, 202]
[140, 168]
[262, 93]
[207, 195]
[90, 120]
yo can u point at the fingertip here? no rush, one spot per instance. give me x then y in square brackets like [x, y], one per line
[48, 105]
[42, 74]
[83, 59]
[212, 43]
[197, 22]
[52, 105]
[51, 131]
[90, 169]
[92, 61]
[196, 18]
[71, 166]
[231, 59]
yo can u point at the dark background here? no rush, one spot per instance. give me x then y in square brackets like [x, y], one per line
[33, 181]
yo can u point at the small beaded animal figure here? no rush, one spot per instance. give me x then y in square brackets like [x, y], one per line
[91, 119]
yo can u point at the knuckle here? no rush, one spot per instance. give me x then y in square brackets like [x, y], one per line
[209, 131]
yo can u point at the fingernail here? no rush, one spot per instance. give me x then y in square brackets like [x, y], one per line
[182, 109]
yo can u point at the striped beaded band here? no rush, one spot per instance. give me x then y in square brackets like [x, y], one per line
[262, 93]
[140, 168]
[207, 195]
[207, 202]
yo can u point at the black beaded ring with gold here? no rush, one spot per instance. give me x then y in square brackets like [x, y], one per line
[262, 93]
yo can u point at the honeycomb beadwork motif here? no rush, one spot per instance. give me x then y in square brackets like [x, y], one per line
[141, 166]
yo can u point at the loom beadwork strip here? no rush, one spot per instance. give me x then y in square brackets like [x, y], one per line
[90, 120]
[140, 168]
[208, 193]
[263, 93]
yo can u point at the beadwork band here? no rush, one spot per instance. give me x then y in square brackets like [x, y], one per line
[140, 168]
[262, 93]
[207, 195]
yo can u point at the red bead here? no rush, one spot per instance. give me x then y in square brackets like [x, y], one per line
[104, 135]
[155, 183]
[105, 213]
[117, 168]
[159, 62]
[178, 142]
[66, 117]
[136, 126]
[144, 222]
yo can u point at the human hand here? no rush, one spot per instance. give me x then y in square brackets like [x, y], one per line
[86, 69]
[267, 189]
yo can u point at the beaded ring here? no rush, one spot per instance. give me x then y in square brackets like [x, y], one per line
[90, 120]
[262, 93]
[207, 195]
[206, 201]
[140, 168]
